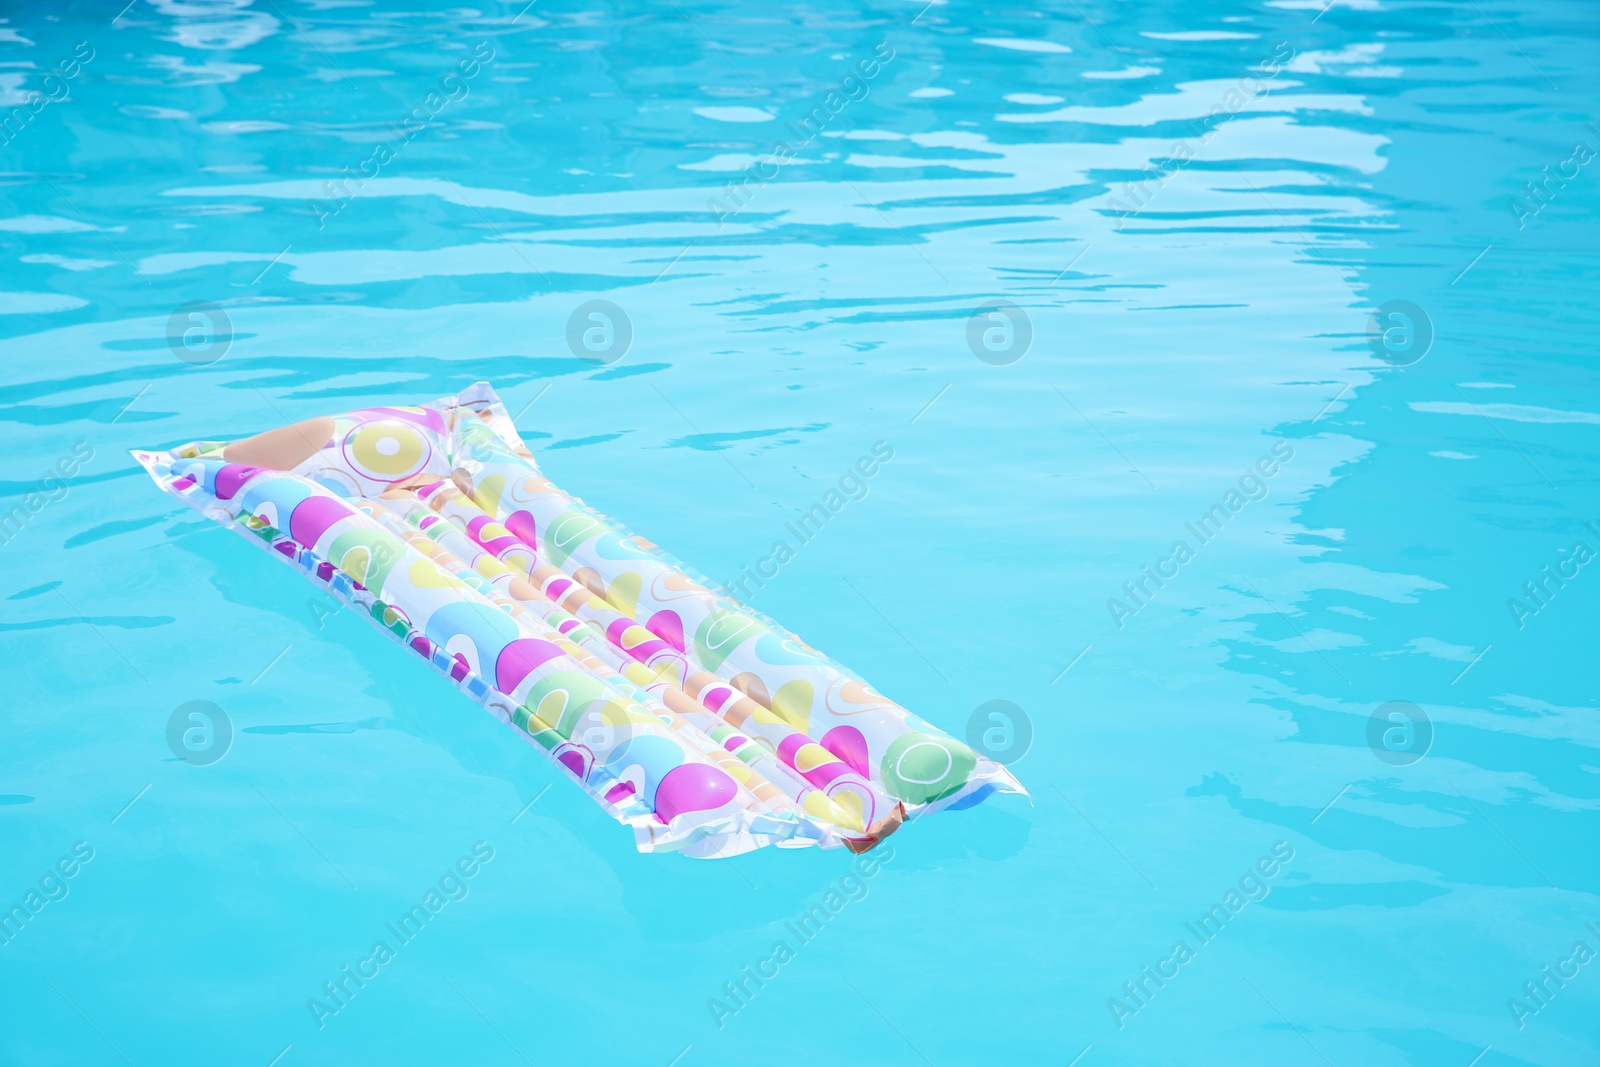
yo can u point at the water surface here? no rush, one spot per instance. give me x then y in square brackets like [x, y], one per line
[219, 217]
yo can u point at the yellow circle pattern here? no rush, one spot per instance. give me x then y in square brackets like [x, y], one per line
[387, 450]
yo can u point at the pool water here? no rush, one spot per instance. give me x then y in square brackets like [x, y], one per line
[1266, 500]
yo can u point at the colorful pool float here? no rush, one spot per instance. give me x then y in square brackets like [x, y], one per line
[696, 721]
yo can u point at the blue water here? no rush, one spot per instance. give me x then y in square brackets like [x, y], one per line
[1301, 168]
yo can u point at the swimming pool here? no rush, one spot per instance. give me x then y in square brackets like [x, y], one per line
[1256, 502]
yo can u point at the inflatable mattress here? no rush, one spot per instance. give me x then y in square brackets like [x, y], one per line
[697, 722]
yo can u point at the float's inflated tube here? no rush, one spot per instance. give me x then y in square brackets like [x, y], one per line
[700, 723]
